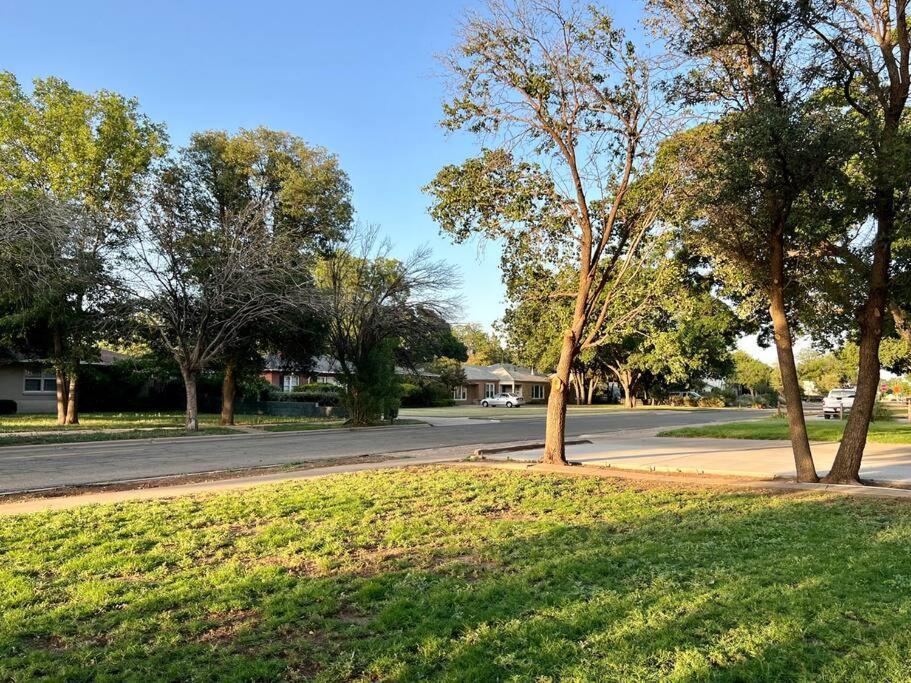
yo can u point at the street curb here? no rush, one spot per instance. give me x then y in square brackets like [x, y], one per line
[207, 437]
[523, 447]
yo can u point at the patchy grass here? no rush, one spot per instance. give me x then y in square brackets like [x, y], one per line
[450, 574]
[777, 428]
[82, 436]
[34, 422]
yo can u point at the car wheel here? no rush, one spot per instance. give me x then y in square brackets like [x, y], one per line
[509, 404]
[484, 404]
[826, 416]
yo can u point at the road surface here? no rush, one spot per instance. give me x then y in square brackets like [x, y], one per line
[24, 468]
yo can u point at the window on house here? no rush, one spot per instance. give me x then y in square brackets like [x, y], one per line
[289, 382]
[460, 393]
[537, 391]
[490, 390]
[44, 381]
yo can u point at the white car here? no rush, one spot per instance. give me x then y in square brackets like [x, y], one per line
[838, 401]
[506, 399]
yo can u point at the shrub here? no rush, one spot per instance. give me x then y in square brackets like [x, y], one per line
[711, 402]
[882, 412]
[7, 407]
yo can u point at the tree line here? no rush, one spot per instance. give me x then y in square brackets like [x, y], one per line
[758, 163]
[212, 255]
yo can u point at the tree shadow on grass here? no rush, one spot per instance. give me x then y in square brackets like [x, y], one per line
[737, 587]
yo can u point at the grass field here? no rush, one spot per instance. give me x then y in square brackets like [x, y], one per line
[34, 429]
[458, 575]
[777, 428]
[33, 422]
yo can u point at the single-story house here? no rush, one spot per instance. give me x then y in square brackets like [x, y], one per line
[487, 381]
[323, 370]
[32, 384]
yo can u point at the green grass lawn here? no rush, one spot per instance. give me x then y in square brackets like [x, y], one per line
[777, 428]
[29, 422]
[12, 439]
[458, 575]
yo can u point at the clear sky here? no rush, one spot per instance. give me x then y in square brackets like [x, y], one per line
[357, 76]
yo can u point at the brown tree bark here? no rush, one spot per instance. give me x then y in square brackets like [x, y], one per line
[554, 449]
[846, 466]
[61, 385]
[61, 396]
[72, 401]
[192, 412]
[228, 393]
[797, 427]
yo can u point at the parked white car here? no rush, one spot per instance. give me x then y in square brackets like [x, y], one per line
[505, 399]
[838, 400]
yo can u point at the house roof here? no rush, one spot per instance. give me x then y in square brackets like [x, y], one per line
[502, 372]
[516, 373]
[105, 357]
[477, 373]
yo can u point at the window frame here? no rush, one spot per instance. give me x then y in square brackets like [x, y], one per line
[537, 391]
[490, 390]
[44, 377]
[290, 381]
[460, 393]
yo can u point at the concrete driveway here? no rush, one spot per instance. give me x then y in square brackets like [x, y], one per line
[738, 457]
[25, 468]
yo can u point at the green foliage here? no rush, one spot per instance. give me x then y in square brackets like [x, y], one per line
[830, 370]
[882, 412]
[372, 390]
[482, 347]
[71, 170]
[449, 372]
[750, 372]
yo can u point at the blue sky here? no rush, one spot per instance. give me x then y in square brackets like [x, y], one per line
[358, 77]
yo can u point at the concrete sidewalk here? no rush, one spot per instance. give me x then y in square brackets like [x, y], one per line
[736, 457]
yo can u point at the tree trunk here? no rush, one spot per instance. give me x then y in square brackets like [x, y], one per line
[228, 393]
[72, 402]
[554, 449]
[61, 388]
[192, 413]
[846, 466]
[62, 396]
[797, 427]
[590, 396]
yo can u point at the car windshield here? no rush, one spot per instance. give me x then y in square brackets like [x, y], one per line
[841, 394]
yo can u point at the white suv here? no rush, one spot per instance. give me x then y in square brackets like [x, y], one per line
[507, 399]
[838, 401]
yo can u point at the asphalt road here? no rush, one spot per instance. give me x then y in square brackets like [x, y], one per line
[24, 468]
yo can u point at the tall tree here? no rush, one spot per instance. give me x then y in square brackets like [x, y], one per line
[80, 157]
[379, 310]
[305, 197]
[867, 48]
[570, 103]
[200, 279]
[751, 372]
[753, 171]
[483, 347]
